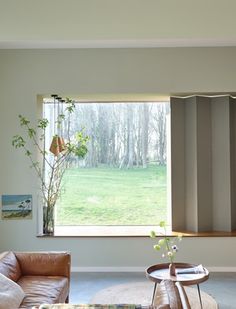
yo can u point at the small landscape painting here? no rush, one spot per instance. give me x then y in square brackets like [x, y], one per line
[16, 207]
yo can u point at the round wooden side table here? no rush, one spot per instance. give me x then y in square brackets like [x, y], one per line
[159, 272]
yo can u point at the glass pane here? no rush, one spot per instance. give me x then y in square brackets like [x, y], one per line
[123, 179]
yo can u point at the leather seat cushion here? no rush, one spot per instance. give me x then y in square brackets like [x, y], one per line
[43, 289]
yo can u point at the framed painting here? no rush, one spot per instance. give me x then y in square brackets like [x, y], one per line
[16, 207]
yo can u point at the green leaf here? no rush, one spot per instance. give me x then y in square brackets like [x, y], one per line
[18, 141]
[152, 234]
[23, 121]
[43, 152]
[35, 164]
[80, 137]
[28, 153]
[157, 247]
[71, 106]
[43, 123]
[162, 224]
[31, 132]
[68, 100]
[162, 242]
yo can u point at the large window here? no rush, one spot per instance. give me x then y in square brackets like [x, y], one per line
[123, 179]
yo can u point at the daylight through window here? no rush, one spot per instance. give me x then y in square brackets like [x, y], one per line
[123, 178]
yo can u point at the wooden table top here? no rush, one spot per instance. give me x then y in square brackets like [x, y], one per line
[159, 272]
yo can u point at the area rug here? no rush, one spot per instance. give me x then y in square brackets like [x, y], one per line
[141, 293]
[86, 306]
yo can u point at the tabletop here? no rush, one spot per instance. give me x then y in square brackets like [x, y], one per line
[159, 272]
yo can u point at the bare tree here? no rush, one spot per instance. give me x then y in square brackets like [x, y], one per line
[130, 138]
[159, 126]
[144, 135]
[123, 135]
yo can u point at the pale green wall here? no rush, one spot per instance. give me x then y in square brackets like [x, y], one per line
[74, 20]
[26, 73]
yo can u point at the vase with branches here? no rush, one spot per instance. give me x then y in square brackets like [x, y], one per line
[167, 244]
[53, 162]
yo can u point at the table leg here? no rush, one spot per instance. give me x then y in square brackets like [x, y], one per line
[199, 294]
[154, 291]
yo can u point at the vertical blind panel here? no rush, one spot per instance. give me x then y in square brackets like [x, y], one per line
[203, 149]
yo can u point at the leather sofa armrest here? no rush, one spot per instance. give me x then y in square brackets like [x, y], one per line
[44, 263]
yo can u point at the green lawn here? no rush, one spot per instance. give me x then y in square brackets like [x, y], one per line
[110, 196]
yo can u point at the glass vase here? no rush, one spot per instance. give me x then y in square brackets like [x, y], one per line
[48, 220]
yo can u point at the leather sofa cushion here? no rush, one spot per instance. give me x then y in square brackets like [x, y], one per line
[9, 266]
[167, 296]
[48, 263]
[43, 289]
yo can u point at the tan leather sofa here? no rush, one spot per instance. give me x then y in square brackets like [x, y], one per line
[43, 276]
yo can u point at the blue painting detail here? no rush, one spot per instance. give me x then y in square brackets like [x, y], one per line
[17, 206]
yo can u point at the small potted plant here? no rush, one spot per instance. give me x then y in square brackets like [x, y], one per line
[168, 246]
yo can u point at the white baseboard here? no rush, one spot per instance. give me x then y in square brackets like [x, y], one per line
[108, 269]
[142, 269]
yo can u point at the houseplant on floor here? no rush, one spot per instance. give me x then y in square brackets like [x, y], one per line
[168, 245]
[51, 163]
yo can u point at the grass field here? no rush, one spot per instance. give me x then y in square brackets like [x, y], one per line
[109, 196]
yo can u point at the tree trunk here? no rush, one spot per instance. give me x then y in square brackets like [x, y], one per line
[130, 140]
[145, 125]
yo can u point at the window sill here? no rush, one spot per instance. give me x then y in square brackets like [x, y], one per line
[126, 231]
[103, 231]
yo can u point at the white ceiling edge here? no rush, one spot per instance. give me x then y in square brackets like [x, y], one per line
[147, 43]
